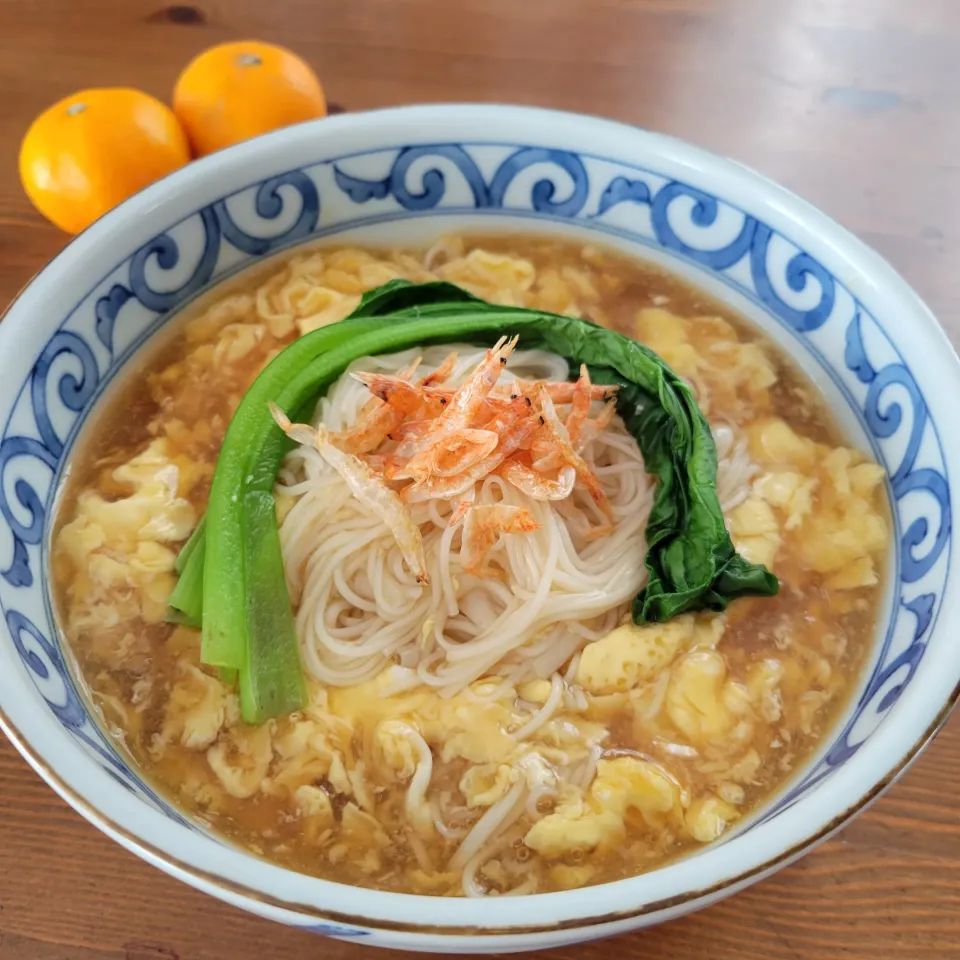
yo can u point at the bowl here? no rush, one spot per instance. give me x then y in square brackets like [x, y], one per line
[886, 369]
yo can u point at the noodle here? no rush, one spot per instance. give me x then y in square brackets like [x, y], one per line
[546, 711]
[359, 607]
[494, 821]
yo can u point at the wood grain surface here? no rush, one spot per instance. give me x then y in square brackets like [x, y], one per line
[854, 104]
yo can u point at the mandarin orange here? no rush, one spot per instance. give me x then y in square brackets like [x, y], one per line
[92, 150]
[235, 91]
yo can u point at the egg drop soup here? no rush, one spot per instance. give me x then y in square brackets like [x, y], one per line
[462, 531]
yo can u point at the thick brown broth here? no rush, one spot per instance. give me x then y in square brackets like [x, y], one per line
[722, 723]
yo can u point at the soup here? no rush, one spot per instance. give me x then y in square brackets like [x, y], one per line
[493, 684]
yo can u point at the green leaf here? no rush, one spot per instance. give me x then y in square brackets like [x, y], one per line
[195, 541]
[251, 429]
[186, 600]
[272, 682]
[398, 296]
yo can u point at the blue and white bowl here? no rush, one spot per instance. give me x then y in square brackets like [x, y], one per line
[846, 317]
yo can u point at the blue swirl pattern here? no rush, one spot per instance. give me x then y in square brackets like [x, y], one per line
[600, 194]
[165, 252]
[19, 573]
[486, 196]
[752, 242]
[269, 205]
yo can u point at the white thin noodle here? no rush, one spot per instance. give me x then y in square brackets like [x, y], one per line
[545, 712]
[359, 607]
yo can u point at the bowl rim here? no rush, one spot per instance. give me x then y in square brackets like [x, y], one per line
[872, 271]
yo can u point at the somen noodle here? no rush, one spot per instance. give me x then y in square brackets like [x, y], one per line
[557, 588]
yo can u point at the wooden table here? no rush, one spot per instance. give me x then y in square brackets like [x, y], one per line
[855, 104]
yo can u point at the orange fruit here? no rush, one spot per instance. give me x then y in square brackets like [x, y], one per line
[235, 91]
[92, 150]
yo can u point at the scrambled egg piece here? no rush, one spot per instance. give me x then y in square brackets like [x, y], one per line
[362, 836]
[842, 539]
[316, 812]
[580, 282]
[197, 708]
[790, 492]
[809, 706]
[475, 732]
[234, 309]
[707, 818]
[599, 820]
[397, 747]
[701, 702]
[535, 691]
[744, 364]
[763, 686]
[304, 755]
[116, 545]
[154, 511]
[339, 777]
[606, 707]
[731, 793]
[755, 531]
[708, 352]
[493, 276]
[696, 709]
[554, 293]
[460, 727]
[241, 758]
[774, 442]
[831, 510]
[279, 320]
[352, 270]
[666, 334]
[631, 654]
[317, 289]
[237, 340]
[536, 770]
[575, 826]
[484, 784]
[324, 306]
[627, 783]
[314, 802]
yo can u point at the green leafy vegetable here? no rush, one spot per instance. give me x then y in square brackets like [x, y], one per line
[397, 295]
[246, 612]
[229, 591]
[194, 544]
[271, 678]
[186, 601]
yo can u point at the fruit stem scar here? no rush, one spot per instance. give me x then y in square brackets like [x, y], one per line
[249, 60]
[75, 108]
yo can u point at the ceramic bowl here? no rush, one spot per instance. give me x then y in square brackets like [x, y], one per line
[408, 175]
